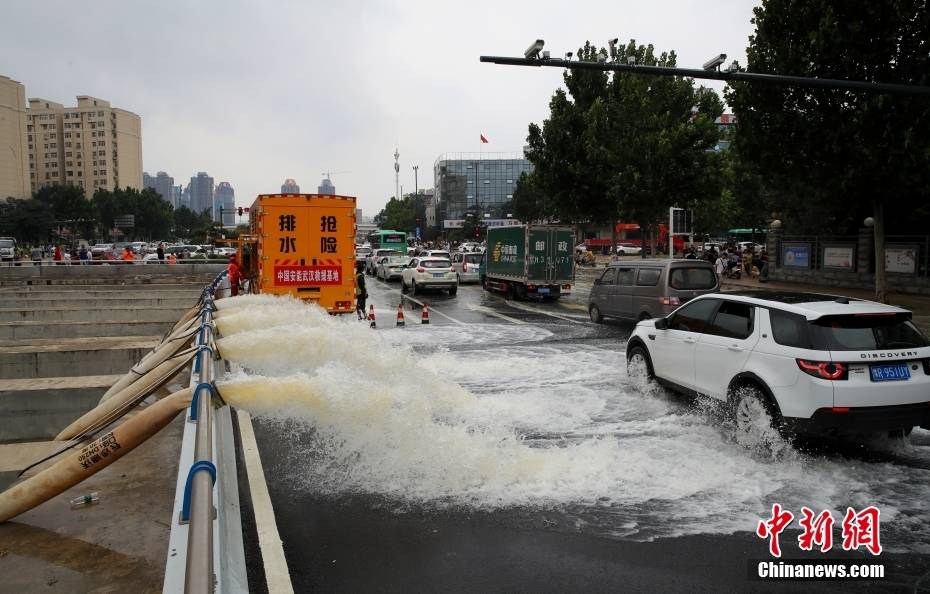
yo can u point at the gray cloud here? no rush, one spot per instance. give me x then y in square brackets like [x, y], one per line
[255, 92]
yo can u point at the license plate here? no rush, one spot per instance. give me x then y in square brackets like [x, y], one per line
[889, 373]
[438, 274]
[543, 290]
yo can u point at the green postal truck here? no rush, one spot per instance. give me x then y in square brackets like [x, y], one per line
[529, 260]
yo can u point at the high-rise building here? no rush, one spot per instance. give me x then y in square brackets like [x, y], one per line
[14, 149]
[185, 199]
[478, 183]
[224, 204]
[176, 193]
[201, 192]
[91, 146]
[290, 187]
[164, 186]
[147, 180]
[327, 187]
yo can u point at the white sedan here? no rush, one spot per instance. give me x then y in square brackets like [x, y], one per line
[428, 272]
[626, 249]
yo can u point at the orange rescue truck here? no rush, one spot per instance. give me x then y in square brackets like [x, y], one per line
[302, 245]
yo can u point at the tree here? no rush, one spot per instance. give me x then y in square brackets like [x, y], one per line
[839, 155]
[70, 208]
[29, 220]
[399, 215]
[153, 217]
[624, 145]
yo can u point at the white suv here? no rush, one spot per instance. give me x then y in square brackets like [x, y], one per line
[796, 362]
[426, 272]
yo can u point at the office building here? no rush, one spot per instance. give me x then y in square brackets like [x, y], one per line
[477, 184]
[726, 124]
[290, 187]
[148, 181]
[185, 197]
[326, 187]
[201, 192]
[93, 145]
[224, 204]
[14, 156]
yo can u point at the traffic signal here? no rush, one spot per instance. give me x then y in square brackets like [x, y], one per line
[240, 211]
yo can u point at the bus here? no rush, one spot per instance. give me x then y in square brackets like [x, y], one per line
[387, 239]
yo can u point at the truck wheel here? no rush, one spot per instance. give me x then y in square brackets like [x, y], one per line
[595, 313]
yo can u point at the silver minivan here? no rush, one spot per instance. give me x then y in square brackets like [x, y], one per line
[643, 289]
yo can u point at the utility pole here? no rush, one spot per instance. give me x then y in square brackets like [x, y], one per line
[396, 173]
[415, 169]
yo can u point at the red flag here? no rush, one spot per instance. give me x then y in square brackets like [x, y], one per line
[483, 139]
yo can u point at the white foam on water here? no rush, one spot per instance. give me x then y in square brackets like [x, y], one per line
[553, 425]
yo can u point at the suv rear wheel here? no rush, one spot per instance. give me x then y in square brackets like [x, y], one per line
[755, 418]
[595, 313]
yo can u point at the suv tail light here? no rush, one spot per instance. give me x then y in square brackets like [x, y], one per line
[824, 369]
[669, 301]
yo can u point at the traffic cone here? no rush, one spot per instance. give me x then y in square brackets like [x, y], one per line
[424, 318]
[371, 317]
[400, 315]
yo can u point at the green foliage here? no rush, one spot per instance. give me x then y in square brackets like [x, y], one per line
[189, 225]
[29, 221]
[834, 155]
[399, 215]
[623, 145]
[153, 216]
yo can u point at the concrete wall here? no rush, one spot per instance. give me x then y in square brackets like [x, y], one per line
[129, 274]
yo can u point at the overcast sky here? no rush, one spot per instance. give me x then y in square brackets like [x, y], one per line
[256, 92]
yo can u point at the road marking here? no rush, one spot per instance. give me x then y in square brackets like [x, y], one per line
[277, 575]
[420, 303]
[491, 312]
[516, 305]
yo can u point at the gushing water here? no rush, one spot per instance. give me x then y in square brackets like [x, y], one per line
[412, 416]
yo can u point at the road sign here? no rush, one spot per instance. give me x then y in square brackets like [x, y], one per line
[681, 221]
[124, 221]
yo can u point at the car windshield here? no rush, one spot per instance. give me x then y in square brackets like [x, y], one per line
[693, 278]
[435, 263]
[397, 261]
[6, 243]
[473, 258]
[440, 254]
[866, 333]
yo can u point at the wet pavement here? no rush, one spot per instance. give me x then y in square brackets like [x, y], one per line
[553, 471]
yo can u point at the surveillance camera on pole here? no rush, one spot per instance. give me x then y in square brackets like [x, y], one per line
[532, 52]
[715, 62]
[612, 44]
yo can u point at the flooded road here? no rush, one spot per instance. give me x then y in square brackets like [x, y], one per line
[507, 433]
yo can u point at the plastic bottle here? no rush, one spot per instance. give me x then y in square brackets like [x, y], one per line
[85, 500]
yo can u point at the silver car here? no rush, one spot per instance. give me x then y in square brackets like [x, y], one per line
[644, 289]
[467, 266]
[391, 267]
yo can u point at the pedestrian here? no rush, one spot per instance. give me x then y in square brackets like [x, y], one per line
[232, 271]
[172, 259]
[57, 255]
[128, 256]
[361, 295]
[161, 252]
[720, 266]
[764, 269]
[84, 255]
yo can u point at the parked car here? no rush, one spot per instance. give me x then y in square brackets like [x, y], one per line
[627, 249]
[426, 272]
[7, 249]
[100, 251]
[467, 266]
[756, 247]
[223, 252]
[372, 260]
[391, 267]
[642, 289]
[794, 362]
[437, 254]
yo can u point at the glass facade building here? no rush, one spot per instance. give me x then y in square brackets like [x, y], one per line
[476, 182]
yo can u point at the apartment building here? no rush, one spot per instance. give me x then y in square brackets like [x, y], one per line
[14, 156]
[93, 145]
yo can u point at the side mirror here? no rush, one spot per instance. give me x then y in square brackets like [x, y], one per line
[662, 324]
[597, 281]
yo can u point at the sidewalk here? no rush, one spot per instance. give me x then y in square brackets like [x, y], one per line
[918, 304]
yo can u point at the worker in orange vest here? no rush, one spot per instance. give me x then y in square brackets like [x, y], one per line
[232, 270]
[128, 256]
